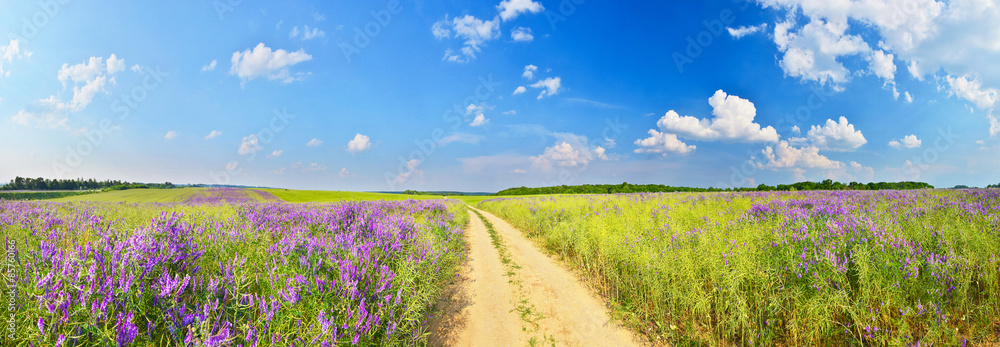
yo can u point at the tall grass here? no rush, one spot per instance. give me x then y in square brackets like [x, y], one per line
[815, 268]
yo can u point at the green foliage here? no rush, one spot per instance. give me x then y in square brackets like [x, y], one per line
[21, 183]
[659, 188]
[39, 195]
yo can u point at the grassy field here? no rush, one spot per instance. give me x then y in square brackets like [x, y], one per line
[290, 195]
[40, 195]
[808, 268]
[107, 274]
[137, 195]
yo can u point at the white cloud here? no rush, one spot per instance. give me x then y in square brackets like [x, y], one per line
[480, 115]
[733, 121]
[136, 68]
[263, 62]
[213, 134]
[509, 113]
[412, 172]
[971, 89]
[529, 71]
[570, 150]
[882, 65]
[909, 141]
[521, 34]
[210, 66]
[796, 130]
[994, 125]
[359, 144]
[9, 52]
[87, 79]
[908, 97]
[275, 154]
[170, 135]
[314, 143]
[835, 136]
[249, 145]
[520, 90]
[307, 34]
[785, 156]
[474, 31]
[740, 32]
[510, 9]
[115, 65]
[344, 173]
[518, 171]
[550, 86]
[811, 52]
[662, 143]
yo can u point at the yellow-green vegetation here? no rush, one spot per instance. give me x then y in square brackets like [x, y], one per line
[137, 195]
[290, 195]
[808, 268]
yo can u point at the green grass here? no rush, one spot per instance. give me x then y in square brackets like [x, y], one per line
[702, 269]
[42, 195]
[290, 195]
[136, 195]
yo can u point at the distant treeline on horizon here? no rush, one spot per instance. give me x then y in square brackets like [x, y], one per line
[659, 188]
[21, 183]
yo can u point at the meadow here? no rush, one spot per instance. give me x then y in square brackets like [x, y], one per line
[209, 272]
[780, 268]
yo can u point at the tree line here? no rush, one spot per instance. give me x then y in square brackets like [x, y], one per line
[659, 188]
[22, 183]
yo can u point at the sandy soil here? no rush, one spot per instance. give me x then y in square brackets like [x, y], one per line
[483, 299]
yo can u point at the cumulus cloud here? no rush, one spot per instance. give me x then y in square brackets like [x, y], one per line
[314, 143]
[520, 90]
[9, 52]
[275, 154]
[570, 150]
[359, 144]
[994, 125]
[264, 62]
[662, 143]
[249, 145]
[909, 141]
[733, 122]
[908, 97]
[740, 32]
[170, 135]
[521, 34]
[786, 156]
[971, 89]
[210, 66]
[314, 167]
[510, 9]
[811, 52]
[412, 172]
[550, 86]
[882, 65]
[344, 173]
[529, 72]
[213, 134]
[473, 31]
[834, 136]
[479, 113]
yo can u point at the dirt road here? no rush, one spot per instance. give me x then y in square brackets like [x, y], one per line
[511, 294]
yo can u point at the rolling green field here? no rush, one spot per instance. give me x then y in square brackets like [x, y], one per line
[290, 195]
[136, 195]
[807, 268]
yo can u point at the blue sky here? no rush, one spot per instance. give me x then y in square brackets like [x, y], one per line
[481, 96]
